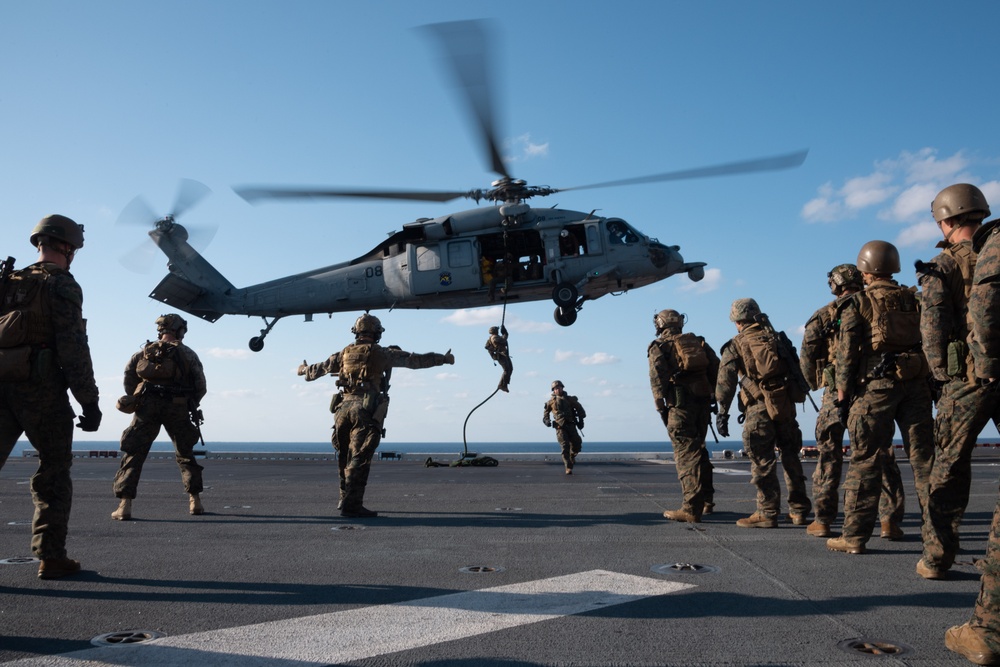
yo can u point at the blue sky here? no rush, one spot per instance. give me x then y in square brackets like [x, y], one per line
[103, 101]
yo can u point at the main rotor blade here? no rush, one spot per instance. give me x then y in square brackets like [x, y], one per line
[189, 193]
[468, 51]
[774, 163]
[137, 212]
[254, 194]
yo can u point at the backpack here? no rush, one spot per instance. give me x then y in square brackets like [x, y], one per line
[894, 318]
[159, 363]
[762, 357]
[689, 353]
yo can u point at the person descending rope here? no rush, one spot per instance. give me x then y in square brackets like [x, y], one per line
[496, 345]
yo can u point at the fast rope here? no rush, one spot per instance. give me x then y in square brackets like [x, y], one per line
[503, 318]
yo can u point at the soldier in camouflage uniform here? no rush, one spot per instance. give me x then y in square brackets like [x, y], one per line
[979, 639]
[44, 351]
[363, 369]
[963, 407]
[762, 431]
[881, 380]
[682, 373]
[816, 360]
[164, 384]
[565, 413]
[496, 345]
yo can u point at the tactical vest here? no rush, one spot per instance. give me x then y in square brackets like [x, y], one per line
[894, 316]
[689, 364]
[362, 366]
[768, 373]
[563, 410]
[160, 364]
[25, 314]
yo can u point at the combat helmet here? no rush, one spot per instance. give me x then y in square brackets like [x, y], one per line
[844, 275]
[668, 319]
[171, 323]
[744, 310]
[494, 330]
[368, 324]
[960, 199]
[58, 227]
[557, 384]
[878, 257]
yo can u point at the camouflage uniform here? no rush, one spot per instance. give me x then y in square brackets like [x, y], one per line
[963, 409]
[360, 408]
[38, 406]
[496, 345]
[984, 341]
[165, 403]
[879, 404]
[762, 434]
[816, 358]
[685, 404]
[568, 415]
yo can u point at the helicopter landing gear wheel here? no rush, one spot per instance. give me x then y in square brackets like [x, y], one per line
[256, 344]
[565, 316]
[565, 295]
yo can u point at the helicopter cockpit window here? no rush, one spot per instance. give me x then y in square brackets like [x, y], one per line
[428, 258]
[620, 233]
[459, 254]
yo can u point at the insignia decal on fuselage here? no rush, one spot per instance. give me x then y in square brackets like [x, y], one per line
[444, 279]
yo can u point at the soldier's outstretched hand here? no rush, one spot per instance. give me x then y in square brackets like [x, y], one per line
[449, 358]
[303, 367]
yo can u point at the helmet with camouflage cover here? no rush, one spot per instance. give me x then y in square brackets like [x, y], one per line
[960, 199]
[744, 310]
[557, 384]
[171, 323]
[58, 227]
[668, 319]
[844, 276]
[494, 330]
[878, 257]
[368, 324]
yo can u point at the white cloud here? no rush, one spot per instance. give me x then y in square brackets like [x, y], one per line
[488, 317]
[523, 148]
[227, 353]
[599, 359]
[447, 376]
[920, 234]
[563, 355]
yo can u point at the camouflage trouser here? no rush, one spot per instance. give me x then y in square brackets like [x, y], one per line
[156, 411]
[687, 427]
[986, 614]
[962, 413]
[879, 407]
[356, 437]
[41, 411]
[830, 466]
[508, 368]
[570, 442]
[761, 435]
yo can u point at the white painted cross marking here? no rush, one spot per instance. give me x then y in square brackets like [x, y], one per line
[344, 636]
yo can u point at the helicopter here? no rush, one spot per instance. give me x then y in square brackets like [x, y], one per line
[509, 251]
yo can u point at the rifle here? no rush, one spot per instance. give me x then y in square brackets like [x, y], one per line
[6, 268]
[884, 366]
[197, 418]
[787, 353]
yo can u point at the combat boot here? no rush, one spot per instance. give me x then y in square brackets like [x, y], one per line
[708, 508]
[195, 505]
[124, 511]
[927, 571]
[682, 515]
[891, 531]
[53, 568]
[845, 545]
[569, 471]
[798, 519]
[355, 481]
[757, 520]
[360, 512]
[968, 641]
[818, 529]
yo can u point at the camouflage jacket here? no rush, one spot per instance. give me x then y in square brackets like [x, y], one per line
[565, 410]
[192, 380]
[731, 369]
[380, 360]
[663, 371]
[943, 304]
[819, 342]
[984, 302]
[496, 345]
[64, 304]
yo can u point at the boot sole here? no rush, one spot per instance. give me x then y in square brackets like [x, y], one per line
[975, 657]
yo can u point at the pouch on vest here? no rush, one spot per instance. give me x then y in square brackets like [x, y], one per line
[779, 405]
[13, 329]
[15, 364]
[958, 350]
[127, 404]
[829, 377]
[895, 320]
[910, 365]
[157, 363]
[335, 401]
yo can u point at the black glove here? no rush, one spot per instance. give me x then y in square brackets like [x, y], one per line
[843, 410]
[722, 424]
[547, 421]
[579, 423]
[90, 420]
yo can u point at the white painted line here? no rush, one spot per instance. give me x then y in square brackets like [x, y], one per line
[738, 472]
[367, 632]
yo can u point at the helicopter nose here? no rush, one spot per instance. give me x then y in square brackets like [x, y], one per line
[666, 258]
